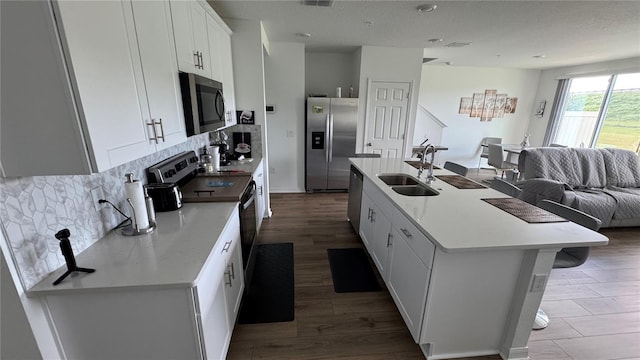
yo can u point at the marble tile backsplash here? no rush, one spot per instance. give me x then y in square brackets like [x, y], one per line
[256, 137]
[33, 209]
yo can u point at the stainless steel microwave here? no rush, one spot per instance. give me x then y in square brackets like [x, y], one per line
[203, 103]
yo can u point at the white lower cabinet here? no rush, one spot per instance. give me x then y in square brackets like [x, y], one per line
[407, 281]
[366, 226]
[402, 254]
[157, 322]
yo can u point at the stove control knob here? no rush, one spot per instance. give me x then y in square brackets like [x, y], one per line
[167, 174]
[193, 159]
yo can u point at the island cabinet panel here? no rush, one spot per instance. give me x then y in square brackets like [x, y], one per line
[471, 295]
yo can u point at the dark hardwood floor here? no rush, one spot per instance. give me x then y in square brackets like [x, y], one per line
[594, 309]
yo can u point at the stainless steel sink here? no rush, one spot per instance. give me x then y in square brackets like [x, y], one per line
[415, 190]
[398, 179]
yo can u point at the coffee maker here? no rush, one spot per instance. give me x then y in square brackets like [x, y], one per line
[219, 139]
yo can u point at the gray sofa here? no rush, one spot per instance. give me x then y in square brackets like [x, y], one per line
[604, 183]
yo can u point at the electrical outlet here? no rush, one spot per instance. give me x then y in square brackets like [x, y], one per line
[539, 282]
[97, 194]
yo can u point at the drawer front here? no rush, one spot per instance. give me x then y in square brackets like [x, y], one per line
[416, 240]
[381, 201]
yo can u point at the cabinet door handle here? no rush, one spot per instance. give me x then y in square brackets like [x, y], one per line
[233, 271]
[406, 232]
[389, 237]
[197, 60]
[369, 214]
[373, 216]
[227, 281]
[226, 247]
[201, 61]
[155, 132]
[260, 190]
[161, 130]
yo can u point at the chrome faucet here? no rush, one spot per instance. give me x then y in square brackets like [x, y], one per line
[428, 149]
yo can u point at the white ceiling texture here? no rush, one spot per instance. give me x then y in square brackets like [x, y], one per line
[502, 33]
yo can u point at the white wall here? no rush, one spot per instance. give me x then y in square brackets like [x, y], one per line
[326, 71]
[248, 44]
[389, 64]
[284, 69]
[549, 83]
[440, 92]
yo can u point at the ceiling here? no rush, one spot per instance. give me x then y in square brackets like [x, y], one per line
[502, 33]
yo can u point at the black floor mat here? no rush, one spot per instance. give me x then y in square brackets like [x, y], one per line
[270, 295]
[351, 271]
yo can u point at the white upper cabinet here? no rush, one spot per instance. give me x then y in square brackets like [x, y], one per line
[214, 34]
[203, 46]
[163, 115]
[226, 68]
[94, 77]
[190, 31]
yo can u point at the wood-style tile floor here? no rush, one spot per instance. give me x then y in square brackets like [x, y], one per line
[594, 309]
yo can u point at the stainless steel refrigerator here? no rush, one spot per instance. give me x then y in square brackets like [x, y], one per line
[330, 141]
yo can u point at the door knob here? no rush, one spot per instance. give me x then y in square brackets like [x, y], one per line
[369, 144]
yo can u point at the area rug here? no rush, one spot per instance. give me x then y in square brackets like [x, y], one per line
[351, 271]
[270, 297]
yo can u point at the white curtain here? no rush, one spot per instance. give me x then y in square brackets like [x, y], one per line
[556, 111]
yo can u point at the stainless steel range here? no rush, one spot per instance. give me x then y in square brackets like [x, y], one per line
[196, 186]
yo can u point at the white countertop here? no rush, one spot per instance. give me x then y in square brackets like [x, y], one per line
[171, 256]
[458, 219]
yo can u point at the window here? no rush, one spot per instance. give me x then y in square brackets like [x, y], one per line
[599, 112]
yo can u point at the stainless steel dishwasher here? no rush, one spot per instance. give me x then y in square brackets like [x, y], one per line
[355, 193]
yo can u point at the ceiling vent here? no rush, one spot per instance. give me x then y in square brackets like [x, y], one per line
[458, 44]
[426, 60]
[326, 3]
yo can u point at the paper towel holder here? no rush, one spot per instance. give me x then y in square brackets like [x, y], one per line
[132, 229]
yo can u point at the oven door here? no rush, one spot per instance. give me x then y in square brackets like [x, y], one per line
[248, 230]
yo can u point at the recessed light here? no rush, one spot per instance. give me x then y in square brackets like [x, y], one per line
[303, 35]
[539, 56]
[369, 23]
[426, 8]
[433, 41]
[448, 63]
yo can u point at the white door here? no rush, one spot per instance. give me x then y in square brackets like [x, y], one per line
[386, 122]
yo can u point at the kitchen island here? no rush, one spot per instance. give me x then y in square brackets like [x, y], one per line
[170, 294]
[466, 276]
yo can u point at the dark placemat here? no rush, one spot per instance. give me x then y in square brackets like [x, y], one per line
[460, 182]
[351, 271]
[524, 210]
[416, 164]
[270, 298]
